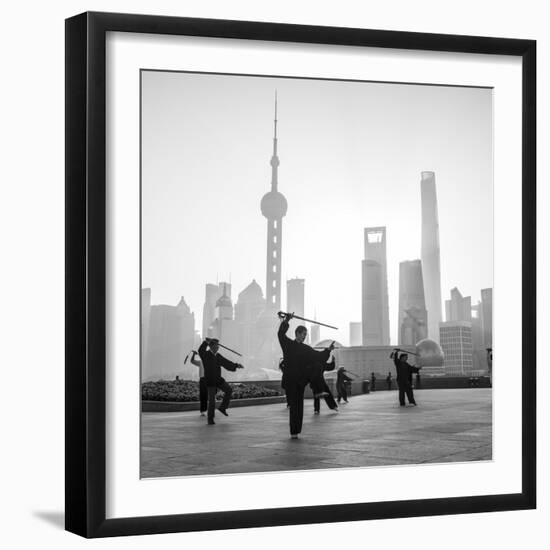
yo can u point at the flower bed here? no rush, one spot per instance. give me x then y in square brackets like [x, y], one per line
[185, 390]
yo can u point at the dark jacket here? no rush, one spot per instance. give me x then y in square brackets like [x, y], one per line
[342, 378]
[212, 365]
[298, 358]
[404, 371]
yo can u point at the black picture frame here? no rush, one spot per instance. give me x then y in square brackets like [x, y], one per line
[86, 273]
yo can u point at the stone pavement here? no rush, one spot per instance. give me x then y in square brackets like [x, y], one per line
[372, 430]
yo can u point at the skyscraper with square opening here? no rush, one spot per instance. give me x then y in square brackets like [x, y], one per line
[376, 320]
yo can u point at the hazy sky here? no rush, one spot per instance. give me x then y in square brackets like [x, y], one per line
[351, 154]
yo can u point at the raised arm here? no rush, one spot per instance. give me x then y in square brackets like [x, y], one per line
[393, 355]
[202, 351]
[284, 340]
[194, 361]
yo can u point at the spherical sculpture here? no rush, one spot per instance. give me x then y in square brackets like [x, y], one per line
[274, 205]
[429, 353]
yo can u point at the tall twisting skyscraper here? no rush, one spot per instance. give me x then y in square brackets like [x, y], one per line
[431, 270]
[274, 207]
[376, 320]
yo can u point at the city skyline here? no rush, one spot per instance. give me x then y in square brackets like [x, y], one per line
[333, 222]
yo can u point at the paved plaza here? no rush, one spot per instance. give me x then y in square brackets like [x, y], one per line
[372, 430]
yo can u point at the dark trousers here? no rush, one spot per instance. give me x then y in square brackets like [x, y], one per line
[316, 379]
[329, 400]
[295, 399]
[212, 390]
[406, 389]
[203, 394]
[342, 392]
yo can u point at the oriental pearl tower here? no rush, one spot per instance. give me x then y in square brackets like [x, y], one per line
[274, 207]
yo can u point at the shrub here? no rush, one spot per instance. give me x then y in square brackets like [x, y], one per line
[186, 390]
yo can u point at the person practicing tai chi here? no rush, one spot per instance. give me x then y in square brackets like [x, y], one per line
[203, 390]
[212, 362]
[300, 361]
[329, 398]
[404, 377]
[341, 379]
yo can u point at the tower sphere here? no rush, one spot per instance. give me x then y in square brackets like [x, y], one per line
[429, 353]
[274, 205]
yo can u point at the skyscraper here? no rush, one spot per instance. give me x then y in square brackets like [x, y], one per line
[458, 308]
[212, 293]
[315, 333]
[456, 343]
[145, 319]
[250, 305]
[431, 271]
[274, 207]
[171, 337]
[355, 334]
[224, 327]
[295, 301]
[412, 320]
[487, 316]
[376, 321]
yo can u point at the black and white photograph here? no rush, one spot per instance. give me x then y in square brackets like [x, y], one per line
[316, 274]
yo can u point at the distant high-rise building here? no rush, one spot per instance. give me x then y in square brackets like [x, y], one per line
[479, 352]
[458, 308]
[212, 293]
[430, 255]
[355, 334]
[412, 320]
[295, 299]
[224, 305]
[376, 321]
[487, 316]
[145, 322]
[274, 207]
[456, 343]
[315, 333]
[224, 326]
[171, 337]
[248, 309]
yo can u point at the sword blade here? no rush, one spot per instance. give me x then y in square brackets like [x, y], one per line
[316, 322]
[229, 349]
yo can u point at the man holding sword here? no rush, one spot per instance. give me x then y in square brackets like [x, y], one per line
[212, 362]
[300, 362]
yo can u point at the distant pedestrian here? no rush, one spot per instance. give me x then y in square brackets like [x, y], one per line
[418, 381]
[372, 382]
[212, 362]
[341, 379]
[490, 365]
[404, 377]
[388, 380]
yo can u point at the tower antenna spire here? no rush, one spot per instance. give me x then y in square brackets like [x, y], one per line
[275, 133]
[274, 208]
